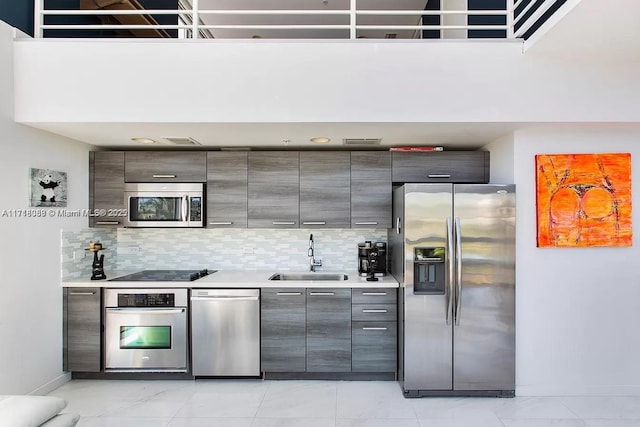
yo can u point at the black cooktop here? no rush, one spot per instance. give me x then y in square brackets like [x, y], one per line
[164, 276]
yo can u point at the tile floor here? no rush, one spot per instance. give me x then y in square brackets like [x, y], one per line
[256, 403]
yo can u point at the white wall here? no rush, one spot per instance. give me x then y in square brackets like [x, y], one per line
[314, 81]
[502, 160]
[30, 293]
[577, 310]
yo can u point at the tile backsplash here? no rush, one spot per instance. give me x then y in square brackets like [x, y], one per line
[75, 261]
[228, 249]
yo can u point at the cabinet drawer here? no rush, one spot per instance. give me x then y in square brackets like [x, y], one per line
[226, 189]
[441, 166]
[82, 329]
[374, 296]
[374, 346]
[273, 189]
[374, 312]
[328, 330]
[283, 329]
[106, 186]
[165, 166]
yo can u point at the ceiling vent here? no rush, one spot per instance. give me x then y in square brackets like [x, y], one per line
[361, 141]
[182, 141]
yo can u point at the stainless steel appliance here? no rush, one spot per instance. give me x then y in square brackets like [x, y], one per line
[146, 330]
[453, 252]
[164, 205]
[372, 259]
[225, 332]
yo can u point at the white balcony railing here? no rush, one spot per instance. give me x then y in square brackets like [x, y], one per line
[347, 19]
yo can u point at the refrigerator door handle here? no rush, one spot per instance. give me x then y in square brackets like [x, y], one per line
[457, 234]
[449, 284]
[398, 226]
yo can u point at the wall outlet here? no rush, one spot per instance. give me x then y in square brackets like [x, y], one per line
[129, 250]
[249, 250]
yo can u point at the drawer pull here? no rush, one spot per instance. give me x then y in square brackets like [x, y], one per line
[367, 223]
[366, 310]
[288, 294]
[374, 294]
[221, 223]
[82, 293]
[370, 328]
[164, 176]
[439, 175]
[314, 223]
[107, 222]
[322, 293]
[284, 223]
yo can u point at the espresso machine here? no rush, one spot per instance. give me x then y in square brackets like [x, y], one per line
[372, 260]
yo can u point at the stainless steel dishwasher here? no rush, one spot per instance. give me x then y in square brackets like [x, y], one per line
[225, 332]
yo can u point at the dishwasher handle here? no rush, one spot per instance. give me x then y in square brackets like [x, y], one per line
[225, 298]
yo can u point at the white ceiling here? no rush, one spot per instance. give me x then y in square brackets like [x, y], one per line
[284, 135]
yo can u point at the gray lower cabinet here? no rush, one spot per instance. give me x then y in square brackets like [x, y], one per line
[324, 189]
[374, 330]
[82, 329]
[440, 166]
[283, 330]
[165, 166]
[371, 189]
[106, 188]
[328, 330]
[273, 189]
[374, 346]
[226, 189]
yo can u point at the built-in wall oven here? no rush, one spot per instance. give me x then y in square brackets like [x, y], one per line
[146, 330]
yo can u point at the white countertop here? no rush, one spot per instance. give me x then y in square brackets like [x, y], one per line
[239, 279]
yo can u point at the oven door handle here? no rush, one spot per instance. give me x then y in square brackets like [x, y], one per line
[147, 311]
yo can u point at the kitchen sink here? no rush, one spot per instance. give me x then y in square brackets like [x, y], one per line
[309, 276]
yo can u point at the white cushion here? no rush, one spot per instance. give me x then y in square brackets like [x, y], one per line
[62, 420]
[29, 411]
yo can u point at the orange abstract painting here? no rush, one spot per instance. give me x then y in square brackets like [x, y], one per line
[583, 200]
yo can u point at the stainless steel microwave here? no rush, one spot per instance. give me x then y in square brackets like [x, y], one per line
[164, 205]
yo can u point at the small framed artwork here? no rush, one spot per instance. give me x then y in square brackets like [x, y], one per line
[583, 200]
[47, 188]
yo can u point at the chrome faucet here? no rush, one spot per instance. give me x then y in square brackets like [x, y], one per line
[313, 263]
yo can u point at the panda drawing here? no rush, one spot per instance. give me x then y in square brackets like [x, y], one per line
[48, 185]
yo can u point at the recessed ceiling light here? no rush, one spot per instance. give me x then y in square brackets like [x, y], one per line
[144, 140]
[320, 139]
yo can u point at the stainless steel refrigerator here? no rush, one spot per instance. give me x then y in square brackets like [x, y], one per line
[453, 251]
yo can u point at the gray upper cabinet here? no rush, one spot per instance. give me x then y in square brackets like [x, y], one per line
[328, 330]
[82, 329]
[165, 166]
[106, 187]
[371, 189]
[273, 189]
[441, 166]
[227, 189]
[324, 189]
[283, 329]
